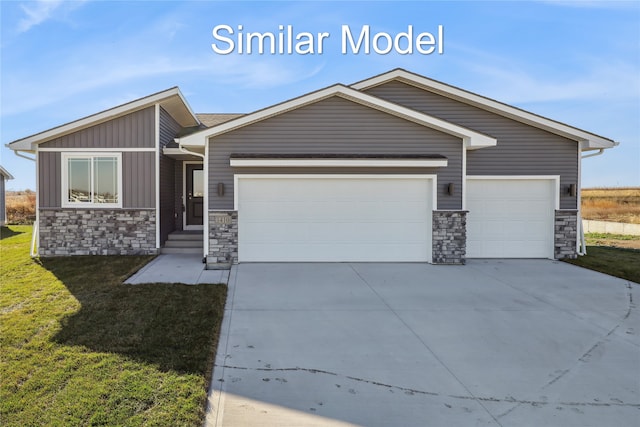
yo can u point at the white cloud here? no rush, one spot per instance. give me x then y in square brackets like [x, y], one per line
[23, 95]
[40, 11]
[36, 13]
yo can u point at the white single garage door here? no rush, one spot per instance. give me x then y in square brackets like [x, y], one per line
[510, 218]
[334, 218]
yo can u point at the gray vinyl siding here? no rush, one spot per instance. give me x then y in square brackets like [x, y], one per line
[169, 128]
[135, 130]
[138, 175]
[49, 179]
[334, 125]
[3, 206]
[521, 149]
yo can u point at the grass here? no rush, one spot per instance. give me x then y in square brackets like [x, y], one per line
[623, 263]
[596, 236]
[615, 240]
[81, 348]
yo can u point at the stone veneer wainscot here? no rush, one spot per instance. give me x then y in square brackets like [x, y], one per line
[97, 232]
[449, 238]
[565, 234]
[223, 239]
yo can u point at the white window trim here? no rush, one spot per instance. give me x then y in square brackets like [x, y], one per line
[424, 163]
[65, 179]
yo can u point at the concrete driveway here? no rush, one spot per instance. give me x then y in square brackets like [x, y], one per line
[492, 343]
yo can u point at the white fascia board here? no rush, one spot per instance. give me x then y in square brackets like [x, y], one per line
[408, 163]
[474, 139]
[29, 143]
[590, 140]
[6, 174]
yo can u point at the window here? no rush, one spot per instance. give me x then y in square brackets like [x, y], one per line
[91, 180]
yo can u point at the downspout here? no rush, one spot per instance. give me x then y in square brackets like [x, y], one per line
[583, 242]
[34, 234]
[185, 151]
[600, 151]
[17, 153]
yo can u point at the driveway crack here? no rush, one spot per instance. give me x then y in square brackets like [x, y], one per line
[587, 354]
[471, 397]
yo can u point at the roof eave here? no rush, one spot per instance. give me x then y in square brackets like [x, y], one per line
[163, 98]
[5, 173]
[472, 138]
[592, 140]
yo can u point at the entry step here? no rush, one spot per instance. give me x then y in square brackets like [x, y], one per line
[167, 250]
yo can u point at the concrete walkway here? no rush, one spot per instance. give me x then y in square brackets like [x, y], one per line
[177, 268]
[492, 343]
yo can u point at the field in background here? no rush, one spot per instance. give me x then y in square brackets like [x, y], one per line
[21, 207]
[604, 204]
[611, 204]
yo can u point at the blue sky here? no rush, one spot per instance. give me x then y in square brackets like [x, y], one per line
[575, 62]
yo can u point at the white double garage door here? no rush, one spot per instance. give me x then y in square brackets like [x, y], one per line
[385, 218]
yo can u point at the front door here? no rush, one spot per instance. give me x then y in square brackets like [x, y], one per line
[194, 187]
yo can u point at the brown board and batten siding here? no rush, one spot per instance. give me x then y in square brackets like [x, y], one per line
[522, 149]
[334, 126]
[169, 128]
[135, 130]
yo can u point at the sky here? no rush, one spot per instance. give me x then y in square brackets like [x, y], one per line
[574, 62]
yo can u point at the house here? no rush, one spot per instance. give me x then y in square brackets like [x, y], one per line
[397, 167]
[4, 176]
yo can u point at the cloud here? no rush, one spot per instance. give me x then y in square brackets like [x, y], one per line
[43, 10]
[24, 95]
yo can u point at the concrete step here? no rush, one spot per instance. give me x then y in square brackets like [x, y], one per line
[185, 235]
[166, 250]
[184, 243]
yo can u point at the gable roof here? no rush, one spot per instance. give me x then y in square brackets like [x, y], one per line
[589, 140]
[171, 100]
[214, 119]
[473, 139]
[5, 174]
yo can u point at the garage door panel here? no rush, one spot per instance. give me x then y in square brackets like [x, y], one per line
[334, 219]
[510, 218]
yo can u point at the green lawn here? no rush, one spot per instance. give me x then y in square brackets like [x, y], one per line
[623, 263]
[80, 348]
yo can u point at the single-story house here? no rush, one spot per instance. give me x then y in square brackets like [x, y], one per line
[4, 176]
[397, 167]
